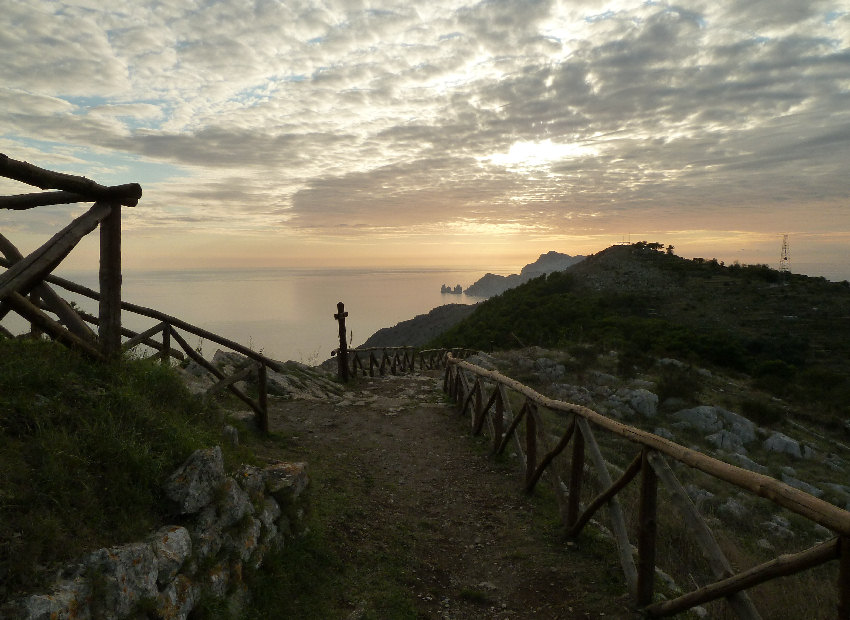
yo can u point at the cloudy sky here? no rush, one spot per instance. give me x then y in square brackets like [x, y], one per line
[356, 132]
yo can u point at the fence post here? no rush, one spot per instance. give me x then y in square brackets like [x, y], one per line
[110, 282]
[165, 354]
[498, 420]
[844, 578]
[576, 477]
[262, 397]
[647, 526]
[530, 442]
[342, 360]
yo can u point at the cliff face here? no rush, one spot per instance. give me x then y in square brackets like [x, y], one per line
[492, 284]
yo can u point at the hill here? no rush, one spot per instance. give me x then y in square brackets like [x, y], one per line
[789, 334]
[491, 284]
[421, 328]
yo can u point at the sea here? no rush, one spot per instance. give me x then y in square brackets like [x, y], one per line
[288, 314]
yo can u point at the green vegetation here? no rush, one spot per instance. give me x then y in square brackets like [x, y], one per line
[84, 448]
[789, 333]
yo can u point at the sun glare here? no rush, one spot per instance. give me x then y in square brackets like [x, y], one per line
[526, 155]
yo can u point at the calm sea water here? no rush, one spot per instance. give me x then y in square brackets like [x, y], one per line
[288, 314]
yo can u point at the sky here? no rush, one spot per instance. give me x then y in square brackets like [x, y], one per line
[355, 133]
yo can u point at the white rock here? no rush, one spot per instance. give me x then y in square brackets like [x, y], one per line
[193, 485]
[747, 463]
[726, 440]
[738, 424]
[803, 486]
[171, 546]
[703, 418]
[783, 444]
[644, 402]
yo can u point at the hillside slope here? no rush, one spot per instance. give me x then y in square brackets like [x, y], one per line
[792, 336]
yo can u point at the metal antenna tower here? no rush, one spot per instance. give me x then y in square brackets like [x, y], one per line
[784, 260]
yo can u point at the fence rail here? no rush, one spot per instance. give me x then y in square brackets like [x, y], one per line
[399, 359]
[485, 395]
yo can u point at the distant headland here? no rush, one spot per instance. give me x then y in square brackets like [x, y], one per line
[491, 284]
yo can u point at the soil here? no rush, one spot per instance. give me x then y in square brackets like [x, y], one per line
[450, 519]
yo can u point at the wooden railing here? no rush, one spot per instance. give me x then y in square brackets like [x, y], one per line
[25, 286]
[166, 330]
[399, 359]
[487, 396]
[24, 275]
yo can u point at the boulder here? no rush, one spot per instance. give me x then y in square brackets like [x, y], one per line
[127, 575]
[726, 440]
[783, 444]
[747, 463]
[193, 485]
[703, 419]
[171, 545]
[737, 424]
[286, 481]
[233, 504]
[644, 402]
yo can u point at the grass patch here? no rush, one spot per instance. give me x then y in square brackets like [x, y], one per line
[84, 449]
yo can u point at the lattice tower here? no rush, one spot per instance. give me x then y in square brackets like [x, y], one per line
[784, 260]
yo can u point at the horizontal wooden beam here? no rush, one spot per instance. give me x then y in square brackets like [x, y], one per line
[22, 202]
[786, 564]
[24, 172]
[799, 502]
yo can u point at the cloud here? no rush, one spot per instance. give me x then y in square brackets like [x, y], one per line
[336, 117]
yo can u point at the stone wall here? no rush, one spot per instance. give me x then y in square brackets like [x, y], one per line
[224, 524]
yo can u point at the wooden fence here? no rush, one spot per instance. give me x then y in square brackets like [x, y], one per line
[399, 359]
[25, 286]
[25, 275]
[487, 397]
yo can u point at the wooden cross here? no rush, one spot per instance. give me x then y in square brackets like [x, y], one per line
[342, 359]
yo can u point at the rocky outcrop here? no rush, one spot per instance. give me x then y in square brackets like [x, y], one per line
[289, 380]
[228, 523]
[491, 284]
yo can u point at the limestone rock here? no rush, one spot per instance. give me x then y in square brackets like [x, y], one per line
[128, 575]
[703, 419]
[286, 481]
[251, 479]
[171, 546]
[644, 402]
[66, 601]
[803, 486]
[234, 503]
[747, 463]
[783, 444]
[726, 440]
[193, 485]
[737, 424]
[177, 599]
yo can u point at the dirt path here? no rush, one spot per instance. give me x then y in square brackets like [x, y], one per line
[425, 523]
